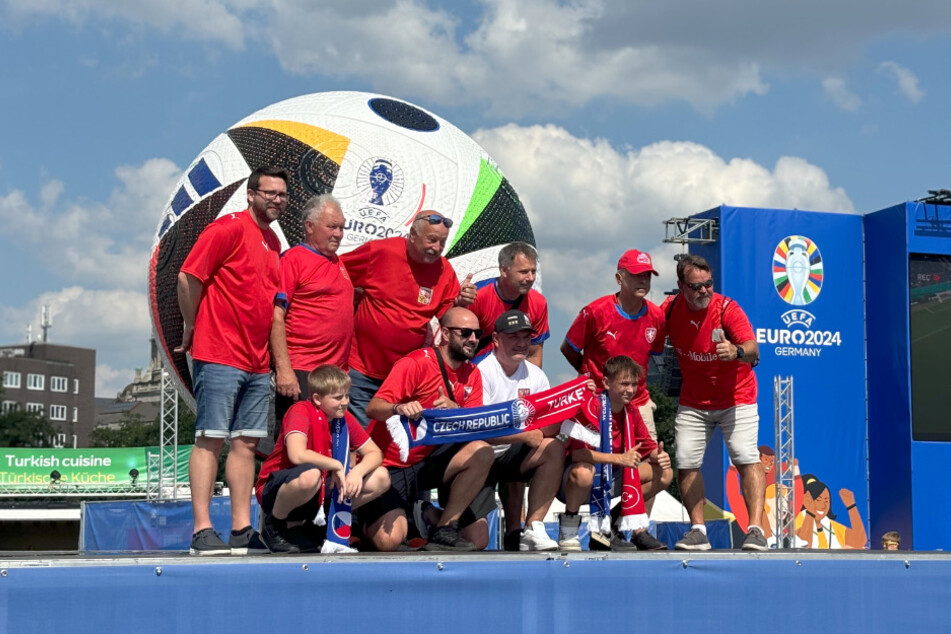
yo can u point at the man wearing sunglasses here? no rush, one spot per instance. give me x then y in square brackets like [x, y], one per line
[402, 284]
[227, 289]
[717, 350]
[433, 378]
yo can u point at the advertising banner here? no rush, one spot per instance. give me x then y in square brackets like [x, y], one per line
[798, 275]
[75, 470]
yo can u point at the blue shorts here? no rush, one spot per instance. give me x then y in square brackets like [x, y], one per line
[231, 402]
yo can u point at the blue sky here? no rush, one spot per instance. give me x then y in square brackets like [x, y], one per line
[607, 117]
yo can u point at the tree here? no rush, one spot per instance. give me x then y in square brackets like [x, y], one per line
[664, 417]
[131, 432]
[26, 429]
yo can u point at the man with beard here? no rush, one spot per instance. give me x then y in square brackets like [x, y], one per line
[227, 289]
[316, 326]
[512, 290]
[429, 378]
[402, 284]
[717, 350]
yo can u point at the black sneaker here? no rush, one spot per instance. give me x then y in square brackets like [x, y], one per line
[207, 542]
[511, 540]
[275, 540]
[599, 541]
[645, 541]
[755, 540]
[247, 541]
[448, 538]
[308, 537]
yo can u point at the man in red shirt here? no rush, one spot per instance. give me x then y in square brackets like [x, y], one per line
[623, 323]
[227, 288]
[402, 284]
[431, 378]
[717, 350]
[316, 327]
[512, 290]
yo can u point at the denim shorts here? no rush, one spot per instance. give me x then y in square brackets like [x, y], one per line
[231, 402]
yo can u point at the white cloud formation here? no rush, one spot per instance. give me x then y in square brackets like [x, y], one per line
[906, 80]
[589, 202]
[88, 242]
[841, 96]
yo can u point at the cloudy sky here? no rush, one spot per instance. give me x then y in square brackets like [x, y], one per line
[607, 117]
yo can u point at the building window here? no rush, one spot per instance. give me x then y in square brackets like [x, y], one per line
[11, 379]
[75, 386]
[60, 441]
[35, 381]
[34, 408]
[10, 406]
[59, 383]
[75, 414]
[57, 412]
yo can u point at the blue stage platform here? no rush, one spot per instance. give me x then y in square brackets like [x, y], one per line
[484, 592]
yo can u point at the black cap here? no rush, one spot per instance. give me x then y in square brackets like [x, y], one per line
[513, 321]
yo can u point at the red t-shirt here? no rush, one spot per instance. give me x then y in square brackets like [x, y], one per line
[416, 377]
[305, 418]
[319, 318]
[239, 265]
[488, 305]
[589, 415]
[602, 330]
[709, 383]
[399, 299]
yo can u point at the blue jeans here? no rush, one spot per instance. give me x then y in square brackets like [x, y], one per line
[231, 402]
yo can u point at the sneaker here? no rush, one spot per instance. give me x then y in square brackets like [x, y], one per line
[275, 541]
[755, 540]
[535, 537]
[247, 541]
[307, 536]
[599, 541]
[419, 517]
[568, 539]
[512, 540]
[448, 538]
[207, 542]
[615, 543]
[645, 541]
[693, 540]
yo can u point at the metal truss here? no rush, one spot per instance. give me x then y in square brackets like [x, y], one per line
[691, 230]
[784, 466]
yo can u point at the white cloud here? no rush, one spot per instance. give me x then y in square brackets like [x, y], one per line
[840, 94]
[205, 20]
[109, 381]
[906, 80]
[589, 202]
[88, 242]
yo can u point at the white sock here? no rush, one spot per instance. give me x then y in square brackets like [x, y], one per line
[752, 526]
[700, 527]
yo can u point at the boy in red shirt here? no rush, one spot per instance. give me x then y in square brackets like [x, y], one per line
[639, 452]
[290, 486]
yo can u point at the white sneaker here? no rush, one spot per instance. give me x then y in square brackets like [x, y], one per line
[568, 539]
[535, 537]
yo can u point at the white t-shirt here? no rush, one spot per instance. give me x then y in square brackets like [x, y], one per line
[498, 387]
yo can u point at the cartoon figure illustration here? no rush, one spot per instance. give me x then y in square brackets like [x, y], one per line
[735, 498]
[816, 526]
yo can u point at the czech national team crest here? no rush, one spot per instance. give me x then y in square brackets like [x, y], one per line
[797, 270]
[650, 334]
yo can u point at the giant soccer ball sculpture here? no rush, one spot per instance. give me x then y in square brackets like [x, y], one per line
[383, 158]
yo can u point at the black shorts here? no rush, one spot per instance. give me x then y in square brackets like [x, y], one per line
[306, 511]
[508, 466]
[406, 484]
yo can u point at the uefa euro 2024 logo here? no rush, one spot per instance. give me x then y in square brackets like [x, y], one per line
[797, 270]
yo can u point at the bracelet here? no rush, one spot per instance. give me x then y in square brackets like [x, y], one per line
[850, 507]
[395, 405]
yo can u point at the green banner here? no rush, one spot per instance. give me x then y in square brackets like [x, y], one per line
[77, 469]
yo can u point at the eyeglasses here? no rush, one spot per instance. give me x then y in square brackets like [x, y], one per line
[271, 194]
[465, 333]
[435, 220]
[696, 286]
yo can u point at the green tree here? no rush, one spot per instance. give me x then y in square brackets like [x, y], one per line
[132, 431]
[664, 417]
[26, 429]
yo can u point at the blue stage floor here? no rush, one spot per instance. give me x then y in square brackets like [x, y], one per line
[790, 591]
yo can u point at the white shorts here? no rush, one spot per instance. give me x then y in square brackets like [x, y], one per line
[693, 427]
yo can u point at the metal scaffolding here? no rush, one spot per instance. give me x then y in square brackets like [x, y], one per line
[691, 230]
[165, 484]
[784, 465]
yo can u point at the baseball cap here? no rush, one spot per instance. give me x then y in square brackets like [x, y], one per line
[512, 321]
[635, 262]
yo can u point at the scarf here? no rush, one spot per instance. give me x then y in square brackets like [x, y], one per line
[633, 513]
[339, 516]
[442, 426]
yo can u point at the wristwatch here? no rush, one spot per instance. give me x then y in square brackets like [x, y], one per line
[740, 352]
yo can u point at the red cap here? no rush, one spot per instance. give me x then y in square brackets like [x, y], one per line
[635, 262]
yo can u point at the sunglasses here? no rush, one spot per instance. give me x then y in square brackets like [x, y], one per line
[465, 333]
[696, 286]
[435, 220]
